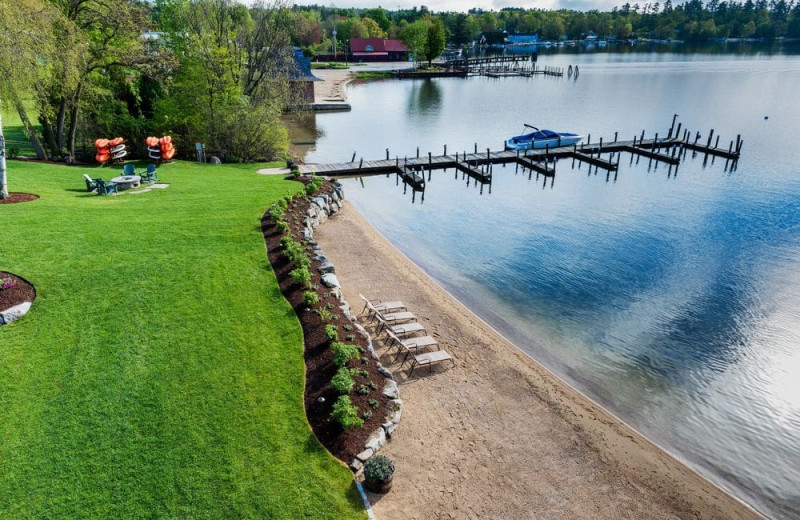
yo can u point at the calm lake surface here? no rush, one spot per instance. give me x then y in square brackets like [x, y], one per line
[672, 300]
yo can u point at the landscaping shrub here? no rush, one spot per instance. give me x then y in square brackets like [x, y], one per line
[331, 332]
[343, 382]
[342, 353]
[346, 414]
[301, 276]
[310, 298]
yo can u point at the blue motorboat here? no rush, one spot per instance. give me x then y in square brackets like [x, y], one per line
[539, 139]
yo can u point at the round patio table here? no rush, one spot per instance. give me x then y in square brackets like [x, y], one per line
[125, 182]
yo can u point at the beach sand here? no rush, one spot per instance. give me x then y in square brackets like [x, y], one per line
[498, 436]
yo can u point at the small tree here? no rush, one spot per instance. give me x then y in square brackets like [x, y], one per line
[435, 41]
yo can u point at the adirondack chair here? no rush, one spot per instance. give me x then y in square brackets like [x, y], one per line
[105, 188]
[128, 169]
[150, 175]
[91, 184]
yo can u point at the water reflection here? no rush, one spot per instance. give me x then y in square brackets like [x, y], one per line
[424, 98]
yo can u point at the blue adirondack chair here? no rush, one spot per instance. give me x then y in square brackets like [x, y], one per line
[150, 175]
[128, 169]
[91, 184]
[105, 188]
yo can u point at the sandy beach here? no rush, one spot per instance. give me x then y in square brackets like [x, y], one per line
[498, 436]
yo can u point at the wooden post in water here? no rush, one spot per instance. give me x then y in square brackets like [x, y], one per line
[354, 157]
[710, 135]
[430, 165]
[360, 163]
[672, 127]
[716, 144]
[678, 131]
[641, 138]
[615, 136]
[445, 150]
[417, 152]
[476, 147]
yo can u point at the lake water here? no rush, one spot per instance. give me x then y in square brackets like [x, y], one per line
[673, 300]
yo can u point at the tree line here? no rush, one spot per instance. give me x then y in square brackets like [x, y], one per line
[217, 71]
[689, 21]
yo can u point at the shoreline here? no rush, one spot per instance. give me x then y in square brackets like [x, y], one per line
[458, 456]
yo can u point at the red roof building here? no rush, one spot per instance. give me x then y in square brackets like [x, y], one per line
[378, 49]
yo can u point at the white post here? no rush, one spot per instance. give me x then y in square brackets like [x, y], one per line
[3, 180]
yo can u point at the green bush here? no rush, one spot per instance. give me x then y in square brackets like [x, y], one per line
[301, 276]
[331, 332]
[313, 186]
[378, 468]
[342, 381]
[325, 315]
[310, 298]
[282, 226]
[362, 390]
[346, 414]
[342, 353]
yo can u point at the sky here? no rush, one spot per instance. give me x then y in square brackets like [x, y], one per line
[460, 5]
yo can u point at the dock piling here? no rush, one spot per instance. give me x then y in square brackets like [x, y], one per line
[354, 157]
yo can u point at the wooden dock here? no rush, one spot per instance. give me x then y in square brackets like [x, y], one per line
[478, 164]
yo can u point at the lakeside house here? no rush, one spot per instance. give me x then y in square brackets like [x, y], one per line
[378, 49]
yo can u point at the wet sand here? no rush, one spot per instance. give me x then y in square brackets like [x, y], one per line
[498, 436]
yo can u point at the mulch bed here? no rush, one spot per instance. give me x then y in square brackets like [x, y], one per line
[22, 291]
[343, 444]
[15, 198]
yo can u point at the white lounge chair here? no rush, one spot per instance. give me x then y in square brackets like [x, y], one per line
[401, 330]
[372, 306]
[410, 345]
[428, 358]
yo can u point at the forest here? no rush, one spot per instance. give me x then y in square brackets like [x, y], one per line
[217, 71]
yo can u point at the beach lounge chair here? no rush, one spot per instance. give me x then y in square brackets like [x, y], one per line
[91, 184]
[409, 345]
[388, 317]
[372, 306]
[105, 188]
[428, 358]
[402, 330]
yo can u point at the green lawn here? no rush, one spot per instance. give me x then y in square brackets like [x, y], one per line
[159, 373]
[14, 132]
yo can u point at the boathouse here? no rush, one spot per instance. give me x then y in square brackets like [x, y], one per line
[378, 49]
[301, 78]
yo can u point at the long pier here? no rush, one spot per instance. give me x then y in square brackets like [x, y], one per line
[502, 66]
[478, 164]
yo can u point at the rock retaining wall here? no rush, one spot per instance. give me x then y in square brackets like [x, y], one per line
[322, 207]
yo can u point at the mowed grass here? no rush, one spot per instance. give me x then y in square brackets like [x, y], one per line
[14, 131]
[160, 372]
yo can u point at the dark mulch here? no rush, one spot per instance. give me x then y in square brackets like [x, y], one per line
[343, 444]
[15, 198]
[22, 291]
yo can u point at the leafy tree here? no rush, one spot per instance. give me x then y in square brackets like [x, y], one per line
[96, 38]
[26, 42]
[378, 15]
[435, 41]
[415, 36]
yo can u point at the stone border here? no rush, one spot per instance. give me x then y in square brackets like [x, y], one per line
[322, 207]
[16, 312]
